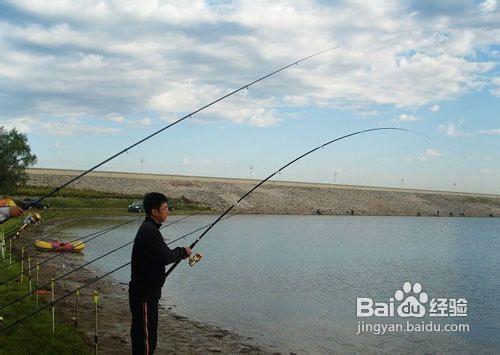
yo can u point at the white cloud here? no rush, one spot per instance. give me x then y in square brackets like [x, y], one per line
[64, 127]
[430, 154]
[72, 128]
[118, 57]
[368, 113]
[496, 86]
[489, 5]
[406, 118]
[493, 131]
[297, 100]
[194, 162]
[263, 118]
[242, 108]
[116, 118]
[21, 124]
[435, 108]
[143, 122]
[451, 130]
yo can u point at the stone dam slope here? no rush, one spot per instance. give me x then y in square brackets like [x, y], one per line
[281, 197]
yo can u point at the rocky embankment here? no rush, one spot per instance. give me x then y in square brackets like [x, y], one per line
[279, 197]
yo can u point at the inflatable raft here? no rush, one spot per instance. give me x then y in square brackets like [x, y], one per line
[54, 245]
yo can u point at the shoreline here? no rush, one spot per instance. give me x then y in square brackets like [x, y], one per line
[176, 333]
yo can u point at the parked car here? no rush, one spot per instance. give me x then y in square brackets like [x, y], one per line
[28, 201]
[136, 207]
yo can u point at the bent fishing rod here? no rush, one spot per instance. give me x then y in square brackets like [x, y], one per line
[245, 86]
[221, 217]
[30, 220]
[47, 236]
[92, 236]
[279, 171]
[81, 240]
[96, 259]
[87, 284]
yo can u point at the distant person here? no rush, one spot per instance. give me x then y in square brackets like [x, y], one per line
[8, 209]
[150, 254]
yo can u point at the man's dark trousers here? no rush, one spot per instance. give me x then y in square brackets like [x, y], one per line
[144, 309]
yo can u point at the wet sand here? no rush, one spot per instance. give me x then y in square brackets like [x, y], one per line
[175, 333]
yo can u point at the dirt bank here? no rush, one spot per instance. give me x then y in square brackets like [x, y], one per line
[175, 334]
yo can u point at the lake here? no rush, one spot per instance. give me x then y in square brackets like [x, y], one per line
[291, 283]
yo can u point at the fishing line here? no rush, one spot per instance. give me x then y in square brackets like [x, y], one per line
[216, 221]
[92, 282]
[92, 261]
[83, 241]
[51, 235]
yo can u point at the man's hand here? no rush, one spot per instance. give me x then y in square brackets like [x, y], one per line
[15, 211]
[187, 254]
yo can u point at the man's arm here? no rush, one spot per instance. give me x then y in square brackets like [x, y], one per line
[7, 212]
[156, 249]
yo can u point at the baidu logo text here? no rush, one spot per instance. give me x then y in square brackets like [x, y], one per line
[410, 301]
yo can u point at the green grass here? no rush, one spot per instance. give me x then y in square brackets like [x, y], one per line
[34, 335]
[102, 203]
[28, 190]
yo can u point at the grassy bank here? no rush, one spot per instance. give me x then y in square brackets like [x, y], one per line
[33, 336]
[101, 203]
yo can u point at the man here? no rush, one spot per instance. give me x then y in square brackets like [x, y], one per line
[150, 254]
[8, 209]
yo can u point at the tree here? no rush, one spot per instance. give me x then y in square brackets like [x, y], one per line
[15, 157]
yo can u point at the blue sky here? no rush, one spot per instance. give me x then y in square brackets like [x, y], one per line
[85, 79]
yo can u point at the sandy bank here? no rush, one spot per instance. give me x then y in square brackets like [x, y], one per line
[175, 333]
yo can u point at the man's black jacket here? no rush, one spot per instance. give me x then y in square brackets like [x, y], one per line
[150, 254]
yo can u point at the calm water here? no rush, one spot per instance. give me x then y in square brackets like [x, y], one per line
[291, 282]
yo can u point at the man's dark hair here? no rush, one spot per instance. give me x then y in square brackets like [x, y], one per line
[153, 200]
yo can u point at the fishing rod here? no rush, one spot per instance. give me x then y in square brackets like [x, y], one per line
[221, 217]
[81, 240]
[245, 86]
[98, 258]
[93, 281]
[51, 304]
[279, 171]
[30, 220]
[47, 236]
[89, 283]
[92, 237]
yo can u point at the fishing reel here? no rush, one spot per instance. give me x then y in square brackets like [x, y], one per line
[29, 220]
[195, 258]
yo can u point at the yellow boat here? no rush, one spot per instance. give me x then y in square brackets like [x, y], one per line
[55, 245]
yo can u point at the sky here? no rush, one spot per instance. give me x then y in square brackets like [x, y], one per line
[85, 79]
